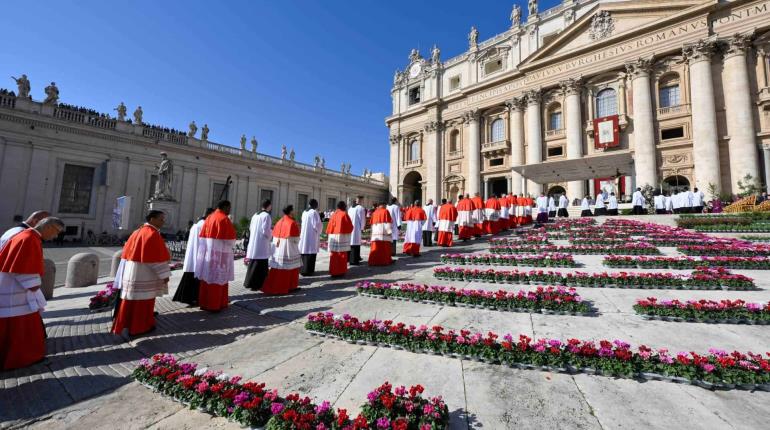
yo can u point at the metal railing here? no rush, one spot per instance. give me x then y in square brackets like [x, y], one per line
[674, 110]
[413, 163]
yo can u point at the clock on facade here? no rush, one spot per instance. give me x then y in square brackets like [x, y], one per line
[414, 70]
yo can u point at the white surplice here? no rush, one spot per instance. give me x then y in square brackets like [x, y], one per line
[357, 215]
[395, 216]
[260, 237]
[430, 212]
[310, 232]
[192, 247]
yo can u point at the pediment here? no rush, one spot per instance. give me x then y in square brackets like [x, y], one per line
[607, 21]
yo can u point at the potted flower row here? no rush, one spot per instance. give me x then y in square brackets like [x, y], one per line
[534, 239]
[628, 248]
[717, 369]
[702, 279]
[746, 263]
[555, 300]
[533, 260]
[726, 250]
[734, 228]
[252, 405]
[104, 298]
[708, 311]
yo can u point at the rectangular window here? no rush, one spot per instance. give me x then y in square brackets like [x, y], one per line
[77, 183]
[454, 83]
[264, 195]
[672, 133]
[496, 162]
[302, 200]
[669, 96]
[414, 95]
[555, 151]
[554, 121]
[218, 193]
[493, 66]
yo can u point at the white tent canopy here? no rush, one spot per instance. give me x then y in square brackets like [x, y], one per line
[601, 166]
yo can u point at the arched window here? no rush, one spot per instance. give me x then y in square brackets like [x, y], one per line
[454, 140]
[498, 130]
[606, 103]
[414, 150]
[555, 117]
[668, 91]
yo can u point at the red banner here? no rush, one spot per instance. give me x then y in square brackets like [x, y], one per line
[606, 132]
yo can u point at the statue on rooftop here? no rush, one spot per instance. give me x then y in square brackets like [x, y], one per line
[22, 84]
[243, 142]
[253, 144]
[165, 179]
[121, 109]
[51, 94]
[193, 129]
[291, 155]
[435, 55]
[532, 7]
[283, 152]
[516, 16]
[473, 37]
[317, 161]
[323, 163]
[205, 132]
[138, 115]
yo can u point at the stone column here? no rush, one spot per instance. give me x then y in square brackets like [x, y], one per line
[471, 119]
[744, 157]
[644, 129]
[574, 130]
[432, 152]
[395, 166]
[486, 188]
[534, 136]
[516, 109]
[766, 154]
[705, 141]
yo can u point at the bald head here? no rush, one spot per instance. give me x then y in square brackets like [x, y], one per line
[35, 217]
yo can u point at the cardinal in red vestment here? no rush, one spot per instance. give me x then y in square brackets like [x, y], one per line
[512, 220]
[382, 232]
[22, 335]
[447, 216]
[286, 260]
[415, 219]
[339, 230]
[465, 222]
[214, 264]
[492, 216]
[478, 215]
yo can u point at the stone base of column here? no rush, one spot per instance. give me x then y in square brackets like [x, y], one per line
[533, 188]
[516, 184]
[576, 190]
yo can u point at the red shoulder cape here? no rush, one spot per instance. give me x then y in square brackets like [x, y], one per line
[381, 216]
[23, 254]
[218, 226]
[145, 245]
[340, 223]
[285, 228]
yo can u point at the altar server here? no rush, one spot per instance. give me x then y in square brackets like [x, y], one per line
[285, 261]
[612, 205]
[357, 215]
[551, 207]
[637, 200]
[541, 203]
[189, 285]
[214, 264]
[141, 277]
[260, 247]
[697, 200]
[395, 216]
[599, 208]
[22, 335]
[660, 203]
[446, 223]
[427, 231]
[563, 205]
[585, 206]
[309, 237]
[339, 230]
[415, 219]
[382, 224]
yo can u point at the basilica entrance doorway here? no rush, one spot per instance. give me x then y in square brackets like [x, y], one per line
[676, 183]
[412, 188]
[498, 187]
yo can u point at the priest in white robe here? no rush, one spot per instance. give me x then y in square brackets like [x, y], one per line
[697, 200]
[395, 216]
[542, 209]
[612, 204]
[310, 232]
[551, 207]
[260, 247]
[659, 201]
[563, 205]
[189, 285]
[637, 200]
[427, 231]
[357, 215]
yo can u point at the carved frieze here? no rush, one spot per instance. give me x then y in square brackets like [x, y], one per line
[602, 25]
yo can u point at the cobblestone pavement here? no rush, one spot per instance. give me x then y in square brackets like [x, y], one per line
[84, 381]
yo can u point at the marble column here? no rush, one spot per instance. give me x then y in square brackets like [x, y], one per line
[766, 156]
[574, 130]
[516, 110]
[534, 136]
[705, 140]
[744, 157]
[395, 167]
[433, 151]
[471, 119]
[486, 188]
[644, 128]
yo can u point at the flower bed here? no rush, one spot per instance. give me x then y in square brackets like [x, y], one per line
[756, 238]
[708, 311]
[532, 260]
[726, 250]
[104, 299]
[532, 239]
[734, 228]
[629, 248]
[627, 262]
[543, 299]
[702, 279]
[251, 405]
[690, 221]
[717, 369]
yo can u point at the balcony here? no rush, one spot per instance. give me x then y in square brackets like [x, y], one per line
[670, 111]
[413, 163]
[500, 147]
[554, 134]
[451, 155]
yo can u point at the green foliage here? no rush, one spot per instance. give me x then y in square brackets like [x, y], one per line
[241, 226]
[648, 191]
[750, 186]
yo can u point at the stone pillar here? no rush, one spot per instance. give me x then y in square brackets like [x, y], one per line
[574, 130]
[591, 187]
[471, 118]
[644, 128]
[432, 152]
[534, 136]
[48, 279]
[115, 263]
[395, 167]
[744, 157]
[486, 188]
[82, 270]
[628, 185]
[766, 154]
[516, 109]
[705, 140]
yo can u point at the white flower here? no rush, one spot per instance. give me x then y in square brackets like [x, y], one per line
[200, 372]
[223, 377]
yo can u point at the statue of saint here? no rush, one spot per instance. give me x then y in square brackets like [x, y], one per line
[193, 129]
[532, 7]
[396, 76]
[342, 168]
[138, 115]
[435, 55]
[473, 37]
[51, 94]
[516, 15]
[414, 55]
[243, 142]
[317, 161]
[253, 144]
[165, 178]
[283, 152]
[323, 163]
[205, 132]
[121, 111]
[22, 84]
[292, 154]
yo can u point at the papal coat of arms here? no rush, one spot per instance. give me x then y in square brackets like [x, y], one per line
[602, 25]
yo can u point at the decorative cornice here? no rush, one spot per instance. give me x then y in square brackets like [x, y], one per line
[395, 139]
[471, 116]
[432, 126]
[533, 96]
[639, 68]
[738, 44]
[572, 86]
[516, 104]
[701, 50]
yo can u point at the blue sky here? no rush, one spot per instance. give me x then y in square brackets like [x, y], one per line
[313, 75]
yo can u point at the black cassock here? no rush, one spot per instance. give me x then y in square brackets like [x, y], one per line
[256, 274]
